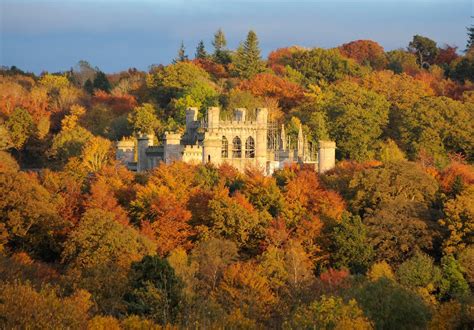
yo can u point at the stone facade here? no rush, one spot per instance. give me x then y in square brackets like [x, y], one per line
[240, 142]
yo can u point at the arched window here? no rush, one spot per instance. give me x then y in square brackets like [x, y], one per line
[250, 148]
[236, 148]
[225, 148]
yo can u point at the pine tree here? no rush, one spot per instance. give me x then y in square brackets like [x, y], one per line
[248, 61]
[470, 38]
[221, 54]
[182, 57]
[101, 82]
[201, 51]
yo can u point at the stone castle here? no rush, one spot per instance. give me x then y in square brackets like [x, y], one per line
[239, 142]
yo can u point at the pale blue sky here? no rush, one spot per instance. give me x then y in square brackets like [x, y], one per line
[114, 35]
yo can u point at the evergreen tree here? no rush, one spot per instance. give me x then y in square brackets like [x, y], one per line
[88, 86]
[201, 51]
[248, 61]
[470, 38]
[221, 54]
[101, 82]
[182, 57]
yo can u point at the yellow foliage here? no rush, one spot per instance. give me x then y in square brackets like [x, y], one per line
[379, 270]
[103, 323]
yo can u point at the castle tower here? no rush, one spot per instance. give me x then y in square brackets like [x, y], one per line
[172, 147]
[326, 156]
[213, 118]
[261, 137]
[143, 142]
[125, 151]
[191, 116]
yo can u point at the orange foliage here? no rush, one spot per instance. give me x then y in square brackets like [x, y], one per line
[456, 170]
[119, 104]
[268, 85]
[213, 68]
[365, 52]
[305, 191]
[101, 197]
[278, 59]
[170, 222]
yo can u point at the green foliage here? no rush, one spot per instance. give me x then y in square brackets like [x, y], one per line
[391, 307]
[329, 313]
[247, 60]
[101, 82]
[20, 127]
[350, 246]
[156, 290]
[424, 48]
[143, 119]
[221, 54]
[201, 51]
[320, 66]
[182, 57]
[69, 143]
[388, 151]
[356, 119]
[453, 283]
[200, 95]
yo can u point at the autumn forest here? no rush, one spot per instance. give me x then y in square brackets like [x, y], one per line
[382, 241]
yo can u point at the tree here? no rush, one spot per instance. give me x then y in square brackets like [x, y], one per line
[29, 216]
[322, 65]
[21, 306]
[143, 119]
[182, 57]
[101, 82]
[470, 38]
[356, 119]
[243, 287]
[20, 127]
[156, 290]
[425, 49]
[401, 61]
[458, 221]
[201, 51]
[453, 284]
[420, 274]
[350, 246]
[221, 54]
[391, 307]
[96, 154]
[365, 52]
[329, 313]
[248, 61]
[98, 254]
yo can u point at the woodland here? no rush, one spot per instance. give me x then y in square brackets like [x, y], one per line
[382, 241]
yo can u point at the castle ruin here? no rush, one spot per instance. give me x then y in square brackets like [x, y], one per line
[239, 142]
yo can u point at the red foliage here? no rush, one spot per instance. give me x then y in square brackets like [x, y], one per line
[288, 93]
[213, 68]
[334, 278]
[365, 52]
[119, 104]
[456, 169]
[446, 55]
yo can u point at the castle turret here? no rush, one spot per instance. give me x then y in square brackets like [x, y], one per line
[143, 142]
[326, 156]
[300, 145]
[172, 147]
[125, 151]
[261, 135]
[283, 138]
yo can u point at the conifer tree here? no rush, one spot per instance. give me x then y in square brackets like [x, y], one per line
[221, 54]
[470, 38]
[201, 51]
[101, 82]
[182, 57]
[248, 61]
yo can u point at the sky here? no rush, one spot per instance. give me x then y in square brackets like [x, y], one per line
[53, 35]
